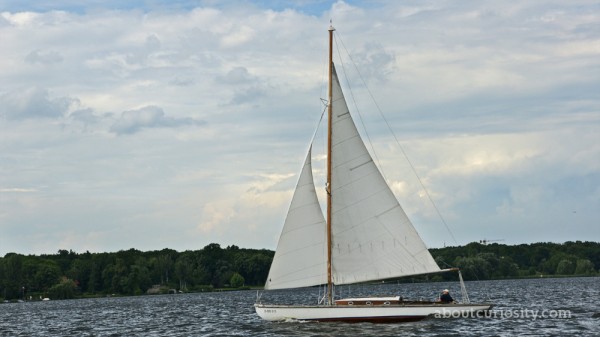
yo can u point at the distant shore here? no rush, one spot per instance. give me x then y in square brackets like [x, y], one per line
[67, 274]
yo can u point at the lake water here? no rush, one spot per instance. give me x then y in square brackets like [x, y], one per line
[232, 313]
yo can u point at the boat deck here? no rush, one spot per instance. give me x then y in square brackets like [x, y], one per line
[393, 300]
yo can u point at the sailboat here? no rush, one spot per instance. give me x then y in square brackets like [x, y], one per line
[365, 235]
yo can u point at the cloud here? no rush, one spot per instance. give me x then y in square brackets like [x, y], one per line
[247, 87]
[238, 37]
[140, 54]
[373, 62]
[17, 190]
[236, 76]
[216, 216]
[44, 57]
[202, 111]
[86, 116]
[132, 121]
[182, 81]
[235, 215]
[33, 102]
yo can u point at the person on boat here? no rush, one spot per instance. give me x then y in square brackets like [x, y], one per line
[445, 297]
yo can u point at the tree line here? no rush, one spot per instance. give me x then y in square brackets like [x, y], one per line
[131, 272]
[479, 261]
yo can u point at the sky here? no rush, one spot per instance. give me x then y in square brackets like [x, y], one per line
[176, 124]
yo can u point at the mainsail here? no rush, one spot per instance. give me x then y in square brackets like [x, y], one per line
[372, 238]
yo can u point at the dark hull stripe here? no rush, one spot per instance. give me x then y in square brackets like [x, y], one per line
[380, 319]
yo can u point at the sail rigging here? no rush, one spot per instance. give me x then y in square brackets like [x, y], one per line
[365, 236]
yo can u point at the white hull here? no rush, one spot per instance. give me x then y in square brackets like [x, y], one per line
[366, 313]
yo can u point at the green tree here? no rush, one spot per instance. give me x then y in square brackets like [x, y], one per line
[507, 267]
[200, 276]
[236, 280]
[138, 280]
[114, 277]
[550, 266]
[95, 278]
[162, 265]
[13, 277]
[80, 271]
[565, 267]
[474, 268]
[64, 259]
[184, 267]
[65, 289]
[584, 267]
[213, 260]
[253, 265]
[47, 275]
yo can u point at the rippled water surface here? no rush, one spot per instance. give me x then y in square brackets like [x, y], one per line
[232, 313]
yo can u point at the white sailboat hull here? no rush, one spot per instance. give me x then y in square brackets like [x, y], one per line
[366, 313]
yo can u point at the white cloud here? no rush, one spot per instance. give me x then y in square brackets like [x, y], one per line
[238, 37]
[33, 102]
[191, 121]
[216, 216]
[17, 190]
[132, 121]
[44, 57]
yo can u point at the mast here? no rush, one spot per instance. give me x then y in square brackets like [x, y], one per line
[329, 127]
